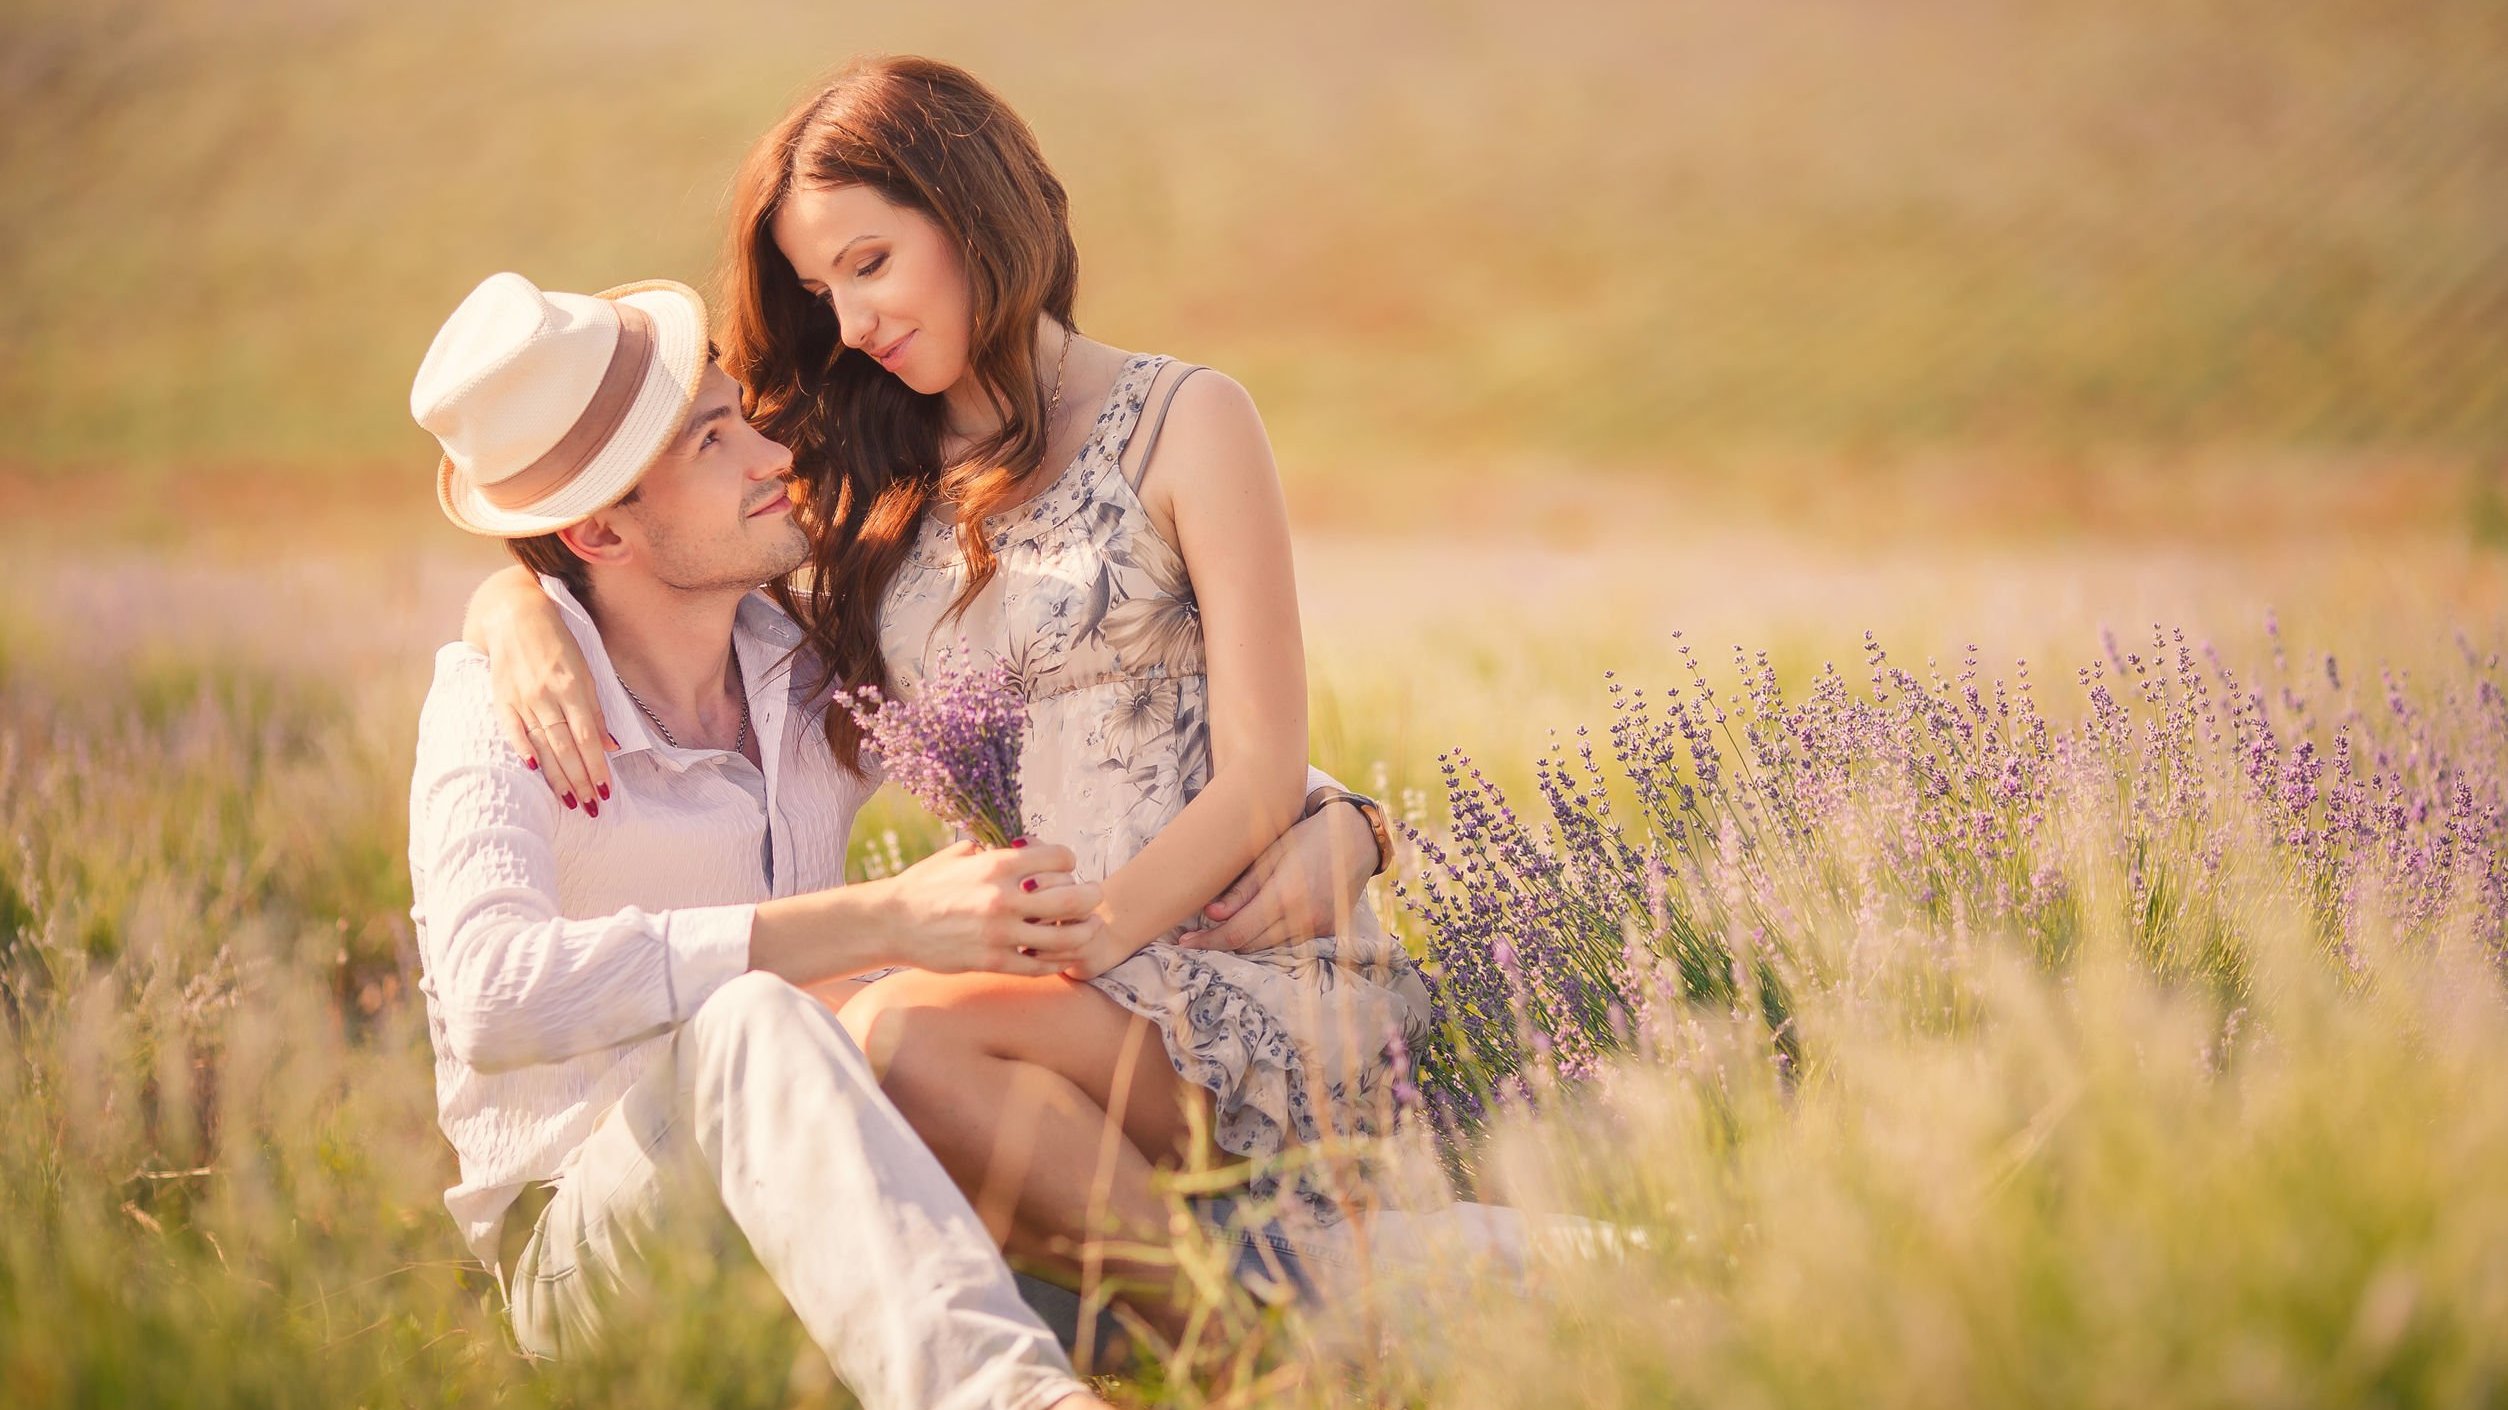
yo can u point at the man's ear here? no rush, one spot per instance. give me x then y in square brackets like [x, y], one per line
[595, 540]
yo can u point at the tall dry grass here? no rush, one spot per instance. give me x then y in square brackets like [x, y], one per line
[2094, 1184]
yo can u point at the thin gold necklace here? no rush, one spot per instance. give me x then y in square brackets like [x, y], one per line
[1054, 403]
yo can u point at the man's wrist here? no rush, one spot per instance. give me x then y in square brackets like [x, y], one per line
[1370, 812]
[870, 912]
[829, 934]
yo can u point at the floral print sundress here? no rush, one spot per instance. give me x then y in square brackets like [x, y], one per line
[1093, 609]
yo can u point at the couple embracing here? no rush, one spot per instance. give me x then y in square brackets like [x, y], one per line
[653, 1002]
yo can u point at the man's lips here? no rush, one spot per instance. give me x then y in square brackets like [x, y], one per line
[780, 504]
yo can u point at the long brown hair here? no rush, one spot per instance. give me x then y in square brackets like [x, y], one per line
[928, 136]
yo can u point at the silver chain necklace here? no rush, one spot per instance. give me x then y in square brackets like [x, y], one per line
[738, 743]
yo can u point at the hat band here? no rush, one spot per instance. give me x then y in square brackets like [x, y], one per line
[543, 477]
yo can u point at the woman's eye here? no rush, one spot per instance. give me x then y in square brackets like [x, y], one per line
[870, 266]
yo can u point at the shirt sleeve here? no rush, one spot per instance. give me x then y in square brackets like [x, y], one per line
[1317, 778]
[516, 982]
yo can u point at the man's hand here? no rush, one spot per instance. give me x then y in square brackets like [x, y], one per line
[1305, 884]
[1011, 910]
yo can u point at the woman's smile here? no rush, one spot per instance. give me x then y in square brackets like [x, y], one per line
[887, 357]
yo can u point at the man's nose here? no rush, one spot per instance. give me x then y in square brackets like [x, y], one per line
[774, 460]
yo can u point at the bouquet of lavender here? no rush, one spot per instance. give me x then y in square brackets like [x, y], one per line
[955, 746]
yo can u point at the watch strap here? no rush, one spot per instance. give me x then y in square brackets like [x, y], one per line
[1369, 809]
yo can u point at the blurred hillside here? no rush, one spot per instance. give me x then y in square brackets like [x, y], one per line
[1436, 238]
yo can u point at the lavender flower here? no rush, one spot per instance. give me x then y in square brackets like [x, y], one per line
[1555, 938]
[954, 746]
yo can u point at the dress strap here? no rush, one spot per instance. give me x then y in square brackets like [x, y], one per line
[1155, 422]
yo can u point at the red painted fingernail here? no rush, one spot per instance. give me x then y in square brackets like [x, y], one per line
[1018, 842]
[591, 809]
[532, 764]
[1027, 883]
[605, 793]
[570, 800]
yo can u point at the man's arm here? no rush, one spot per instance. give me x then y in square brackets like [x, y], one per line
[519, 983]
[1307, 883]
[1378, 856]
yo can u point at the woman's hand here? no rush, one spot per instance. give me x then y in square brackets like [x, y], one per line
[542, 686]
[1100, 952]
[1012, 910]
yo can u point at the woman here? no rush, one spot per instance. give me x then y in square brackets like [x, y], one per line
[900, 285]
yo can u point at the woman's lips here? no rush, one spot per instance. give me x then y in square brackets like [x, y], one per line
[888, 357]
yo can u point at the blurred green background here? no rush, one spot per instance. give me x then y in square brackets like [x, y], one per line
[1444, 242]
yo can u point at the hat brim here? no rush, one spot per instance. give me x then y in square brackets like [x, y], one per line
[659, 410]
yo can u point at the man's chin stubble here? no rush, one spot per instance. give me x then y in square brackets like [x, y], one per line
[771, 564]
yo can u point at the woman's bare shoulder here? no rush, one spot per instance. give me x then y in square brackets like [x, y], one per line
[1210, 424]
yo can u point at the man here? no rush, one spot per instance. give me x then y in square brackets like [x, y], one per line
[620, 1042]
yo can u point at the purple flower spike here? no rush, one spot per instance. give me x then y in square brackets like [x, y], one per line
[955, 746]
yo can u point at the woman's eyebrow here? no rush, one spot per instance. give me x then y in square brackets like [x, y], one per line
[839, 257]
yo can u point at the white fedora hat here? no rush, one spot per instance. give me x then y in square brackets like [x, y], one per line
[551, 406]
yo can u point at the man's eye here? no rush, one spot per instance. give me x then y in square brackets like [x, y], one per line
[870, 266]
[707, 443]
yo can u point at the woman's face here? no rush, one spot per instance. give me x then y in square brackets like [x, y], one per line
[894, 280]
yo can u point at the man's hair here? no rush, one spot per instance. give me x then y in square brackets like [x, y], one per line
[548, 555]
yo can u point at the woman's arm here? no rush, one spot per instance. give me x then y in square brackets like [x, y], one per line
[543, 687]
[1216, 477]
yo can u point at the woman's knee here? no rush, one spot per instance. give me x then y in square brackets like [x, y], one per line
[912, 1019]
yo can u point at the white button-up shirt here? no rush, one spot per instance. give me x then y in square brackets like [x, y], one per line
[559, 949]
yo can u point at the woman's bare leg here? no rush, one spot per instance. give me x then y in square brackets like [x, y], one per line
[1040, 1097]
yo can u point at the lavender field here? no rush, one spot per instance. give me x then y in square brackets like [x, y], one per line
[1930, 581]
[2127, 1026]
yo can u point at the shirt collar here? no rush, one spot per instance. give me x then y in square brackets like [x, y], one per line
[764, 635]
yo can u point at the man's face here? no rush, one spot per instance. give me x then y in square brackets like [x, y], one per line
[713, 511]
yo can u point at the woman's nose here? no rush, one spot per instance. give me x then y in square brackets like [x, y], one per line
[853, 325]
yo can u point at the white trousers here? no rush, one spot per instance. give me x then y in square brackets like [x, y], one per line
[769, 1114]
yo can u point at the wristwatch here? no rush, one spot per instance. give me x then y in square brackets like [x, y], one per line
[1369, 809]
